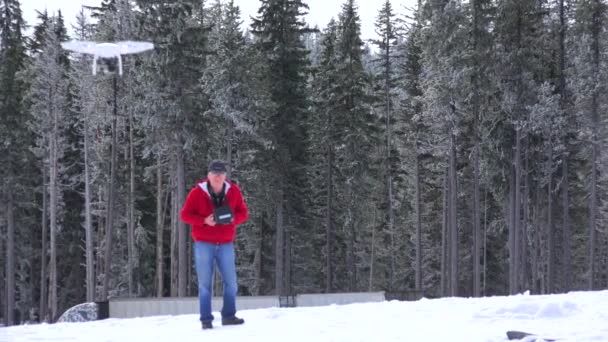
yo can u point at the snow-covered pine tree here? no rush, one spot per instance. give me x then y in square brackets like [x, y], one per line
[385, 91]
[180, 34]
[279, 30]
[410, 111]
[14, 155]
[84, 106]
[48, 105]
[588, 85]
[322, 167]
[444, 39]
[522, 60]
[357, 140]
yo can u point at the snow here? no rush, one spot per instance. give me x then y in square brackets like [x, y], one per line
[576, 316]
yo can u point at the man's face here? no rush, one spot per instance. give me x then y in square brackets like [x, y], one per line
[216, 178]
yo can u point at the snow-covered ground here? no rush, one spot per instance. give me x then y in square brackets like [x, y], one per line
[577, 316]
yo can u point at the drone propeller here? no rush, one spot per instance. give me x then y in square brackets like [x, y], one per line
[127, 47]
[80, 46]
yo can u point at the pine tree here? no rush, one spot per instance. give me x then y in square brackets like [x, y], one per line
[322, 158]
[48, 103]
[443, 106]
[180, 34]
[84, 106]
[519, 32]
[14, 154]
[587, 86]
[35, 43]
[410, 81]
[279, 31]
[357, 140]
[386, 93]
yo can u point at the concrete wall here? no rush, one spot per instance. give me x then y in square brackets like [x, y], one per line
[322, 299]
[142, 307]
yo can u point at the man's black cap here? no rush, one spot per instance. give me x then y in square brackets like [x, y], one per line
[218, 166]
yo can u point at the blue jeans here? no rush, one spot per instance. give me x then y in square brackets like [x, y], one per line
[205, 255]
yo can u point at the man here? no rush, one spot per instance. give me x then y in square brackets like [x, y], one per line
[214, 208]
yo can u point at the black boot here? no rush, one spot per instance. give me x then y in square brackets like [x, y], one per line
[207, 325]
[232, 321]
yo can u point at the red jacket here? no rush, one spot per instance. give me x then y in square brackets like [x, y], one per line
[198, 206]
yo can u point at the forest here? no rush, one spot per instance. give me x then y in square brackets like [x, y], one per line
[458, 153]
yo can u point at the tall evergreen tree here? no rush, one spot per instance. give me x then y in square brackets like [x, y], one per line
[180, 34]
[14, 156]
[358, 136]
[517, 34]
[443, 105]
[589, 77]
[84, 106]
[411, 110]
[386, 93]
[322, 137]
[48, 104]
[279, 29]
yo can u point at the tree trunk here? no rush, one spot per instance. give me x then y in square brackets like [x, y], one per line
[514, 232]
[370, 284]
[476, 153]
[174, 238]
[595, 148]
[350, 241]
[453, 223]
[10, 259]
[389, 178]
[329, 228]
[43, 249]
[535, 264]
[445, 270]
[288, 286]
[110, 203]
[550, 230]
[181, 227]
[280, 249]
[3, 278]
[566, 234]
[485, 243]
[101, 226]
[523, 257]
[418, 222]
[53, 207]
[160, 222]
[88, 226]
[257, 261]
[131, 210]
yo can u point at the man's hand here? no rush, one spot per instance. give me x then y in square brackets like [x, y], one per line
[210, 221]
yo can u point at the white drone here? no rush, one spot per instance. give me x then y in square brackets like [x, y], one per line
[109, 53]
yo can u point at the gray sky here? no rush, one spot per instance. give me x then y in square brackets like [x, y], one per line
[321, 11]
